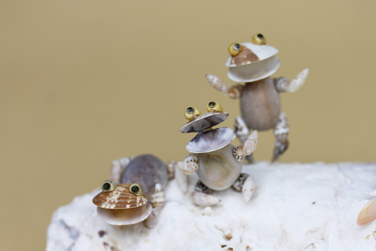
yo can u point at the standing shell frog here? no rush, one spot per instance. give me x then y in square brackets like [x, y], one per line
[253, 64]
[139, 196]
[217, 162]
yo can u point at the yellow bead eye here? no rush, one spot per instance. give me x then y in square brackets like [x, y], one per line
[214, 107]
[191, 113]
[258, 39]
[108, 186]
[135, 189]
[234, 49]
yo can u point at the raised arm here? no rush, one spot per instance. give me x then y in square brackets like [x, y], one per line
[190, 164]
[234, 92]
[240, 152]
[283, 84]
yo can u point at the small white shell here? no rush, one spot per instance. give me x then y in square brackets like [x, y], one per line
[216, 82]
[158, 198]
[201, 199]
[298, 81]
[248, 188]
[368, 213]
[251, 143]
[153, 218]
[255, 71]
[182, 180]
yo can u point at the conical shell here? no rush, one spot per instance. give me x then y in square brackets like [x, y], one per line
[368, 213]
[120, 198]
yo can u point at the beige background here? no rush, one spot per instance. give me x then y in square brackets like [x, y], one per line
[84, 82]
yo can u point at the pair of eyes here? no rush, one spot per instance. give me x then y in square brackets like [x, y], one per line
[109, 186]
[192, 112]
[235, 48]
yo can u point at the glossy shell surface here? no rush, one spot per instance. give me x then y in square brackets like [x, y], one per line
[251, 53]
[120, 198]
[146, 170]
[260, 104]
[255, 71]
[218, 170]
[209, 141]
[121, 217]
[204, 121]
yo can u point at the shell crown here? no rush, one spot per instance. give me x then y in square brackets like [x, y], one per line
[121, 197]
[250, 52]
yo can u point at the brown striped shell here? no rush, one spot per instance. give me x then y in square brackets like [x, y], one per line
[120, 198]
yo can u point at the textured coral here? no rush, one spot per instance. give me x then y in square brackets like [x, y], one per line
[294, 207]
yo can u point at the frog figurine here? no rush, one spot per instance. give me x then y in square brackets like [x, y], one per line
[217, 162]
[253, 64]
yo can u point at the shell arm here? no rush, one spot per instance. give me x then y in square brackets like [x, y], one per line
[180, 178]
[283, 84]
[240, 152]
[234, 92]
[190, 164]
[117, 168]
[157, 200]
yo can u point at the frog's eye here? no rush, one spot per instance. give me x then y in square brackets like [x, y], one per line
[108, 186]
[191, 113]
[214, 107]
[135, 189]
[258, 39]
[234, 49]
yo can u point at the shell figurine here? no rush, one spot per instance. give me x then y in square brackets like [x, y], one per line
[253, 64]
[139, 195]
[217, 162]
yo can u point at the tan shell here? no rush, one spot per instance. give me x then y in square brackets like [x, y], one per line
[120, 198]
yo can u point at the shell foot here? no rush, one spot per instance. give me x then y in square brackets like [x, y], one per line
[204, 200]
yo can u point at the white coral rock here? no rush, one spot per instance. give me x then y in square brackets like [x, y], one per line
[295, 207]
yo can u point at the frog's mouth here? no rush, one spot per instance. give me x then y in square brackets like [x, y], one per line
[121, 217]
[255, 71]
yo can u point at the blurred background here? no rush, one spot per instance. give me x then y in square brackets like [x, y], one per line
[86, 82]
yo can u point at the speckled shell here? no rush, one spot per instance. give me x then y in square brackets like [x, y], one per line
[204, 121]
[120, 198]
[251, 53]
[210, 141]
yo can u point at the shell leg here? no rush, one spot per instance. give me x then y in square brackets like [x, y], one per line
[246, 184]
[281, 132]
[201, 196]
[180, 177]
[157, 200]
[118, 167]
[242, 132]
